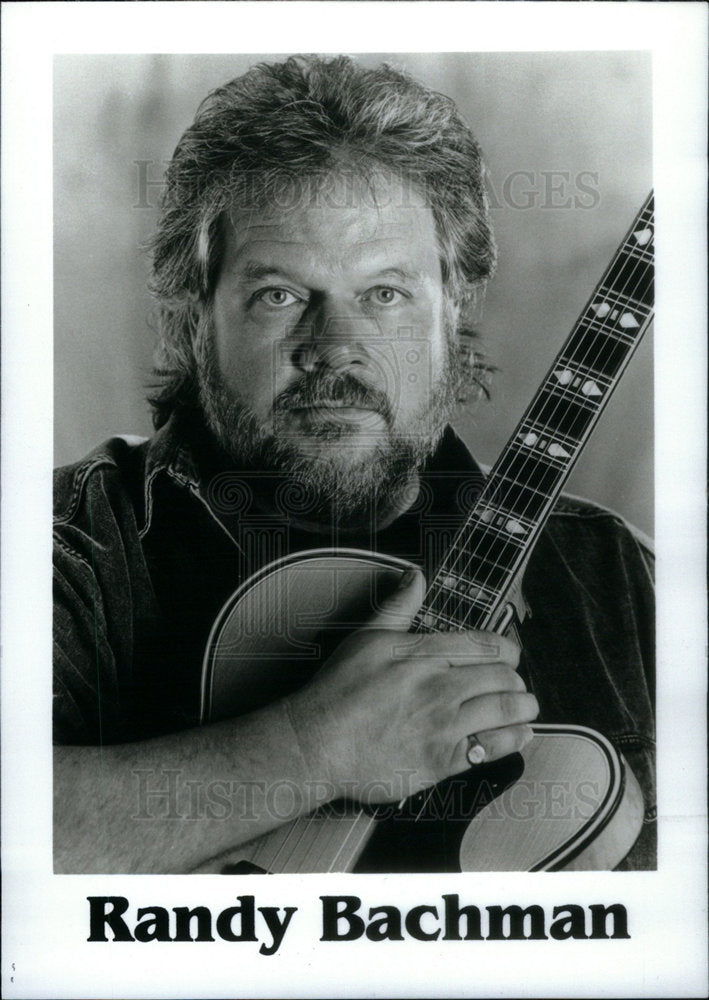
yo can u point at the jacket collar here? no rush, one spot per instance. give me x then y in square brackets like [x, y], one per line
[173, 450]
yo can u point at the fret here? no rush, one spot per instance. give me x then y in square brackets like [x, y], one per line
[489, 573]
[456, 607]
[564, 396]
[569, 383]
[602, 349]
[625, 302]
[528, 469]
[544, 448]
[643, 231]
[635, 295]
[646, 214]
[580, 378]
[600, 326]
[497, 517]
[435, 622]
[497, 552]
[511, 529]
[534, 436]
[486, 560]
[480, 543]
[551, 387]
[638, 253]
[524, 501]
[640, 240]
[448, 594]
[505, 525]
[642, 234]
[630, 277]
[569, 416]
[462, 587]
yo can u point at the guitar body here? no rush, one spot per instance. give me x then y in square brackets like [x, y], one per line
[566, 802]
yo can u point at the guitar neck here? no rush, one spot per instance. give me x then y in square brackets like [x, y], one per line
[473, 581]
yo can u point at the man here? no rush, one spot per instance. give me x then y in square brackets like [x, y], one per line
[323, 248]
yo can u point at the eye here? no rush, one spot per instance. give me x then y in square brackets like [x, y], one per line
[276, 298]
[383, 295]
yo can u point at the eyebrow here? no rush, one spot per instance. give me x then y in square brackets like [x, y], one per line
[407, 273]
[256, 271]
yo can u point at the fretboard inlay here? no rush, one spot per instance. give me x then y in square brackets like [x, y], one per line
[476, 574]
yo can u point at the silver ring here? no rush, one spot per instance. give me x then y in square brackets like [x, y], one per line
[476, 752]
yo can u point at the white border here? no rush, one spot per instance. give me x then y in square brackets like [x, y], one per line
[45, 916]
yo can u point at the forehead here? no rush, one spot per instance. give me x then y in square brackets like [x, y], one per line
[341, 221]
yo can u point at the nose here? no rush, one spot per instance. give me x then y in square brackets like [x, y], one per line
[328, 338]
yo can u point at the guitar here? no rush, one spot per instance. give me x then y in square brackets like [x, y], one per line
[275, 630]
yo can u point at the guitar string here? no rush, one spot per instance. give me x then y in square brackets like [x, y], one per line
[505, 483]
[303, 825]
[544, 429]
[297, 829]
[300, 823]
[360, 839]
[530, 462]
[603, 329]
[307, 822]
[494, 545]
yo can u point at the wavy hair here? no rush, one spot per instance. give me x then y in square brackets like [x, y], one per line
[304, 118]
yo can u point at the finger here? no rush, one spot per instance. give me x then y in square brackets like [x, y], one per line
[458, 689]
[495, 711]
[463, 649]
[488, 678]
[496, 743]
[398, 610]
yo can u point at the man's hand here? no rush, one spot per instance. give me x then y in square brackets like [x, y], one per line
[389, 702]
[388, 714]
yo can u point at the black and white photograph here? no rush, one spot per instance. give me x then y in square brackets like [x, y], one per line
[359, 438]
[232, 606]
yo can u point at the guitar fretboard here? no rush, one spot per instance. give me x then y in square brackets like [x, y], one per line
[473, 581]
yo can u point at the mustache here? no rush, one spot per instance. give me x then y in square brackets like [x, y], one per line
[330, 389]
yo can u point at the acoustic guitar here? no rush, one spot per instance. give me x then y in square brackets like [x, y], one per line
[276, 630]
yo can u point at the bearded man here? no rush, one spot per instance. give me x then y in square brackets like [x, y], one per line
[323, 248]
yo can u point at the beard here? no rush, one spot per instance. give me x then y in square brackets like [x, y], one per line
[339, 472]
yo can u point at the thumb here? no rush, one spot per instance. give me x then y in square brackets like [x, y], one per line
[399, 608]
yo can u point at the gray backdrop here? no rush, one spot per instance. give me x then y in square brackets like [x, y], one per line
[567, 138]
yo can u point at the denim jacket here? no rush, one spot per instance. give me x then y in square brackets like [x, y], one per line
[147, 552]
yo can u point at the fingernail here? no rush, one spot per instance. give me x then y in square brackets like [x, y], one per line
[408, 578]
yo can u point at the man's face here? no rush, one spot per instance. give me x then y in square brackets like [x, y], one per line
[327, 345]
